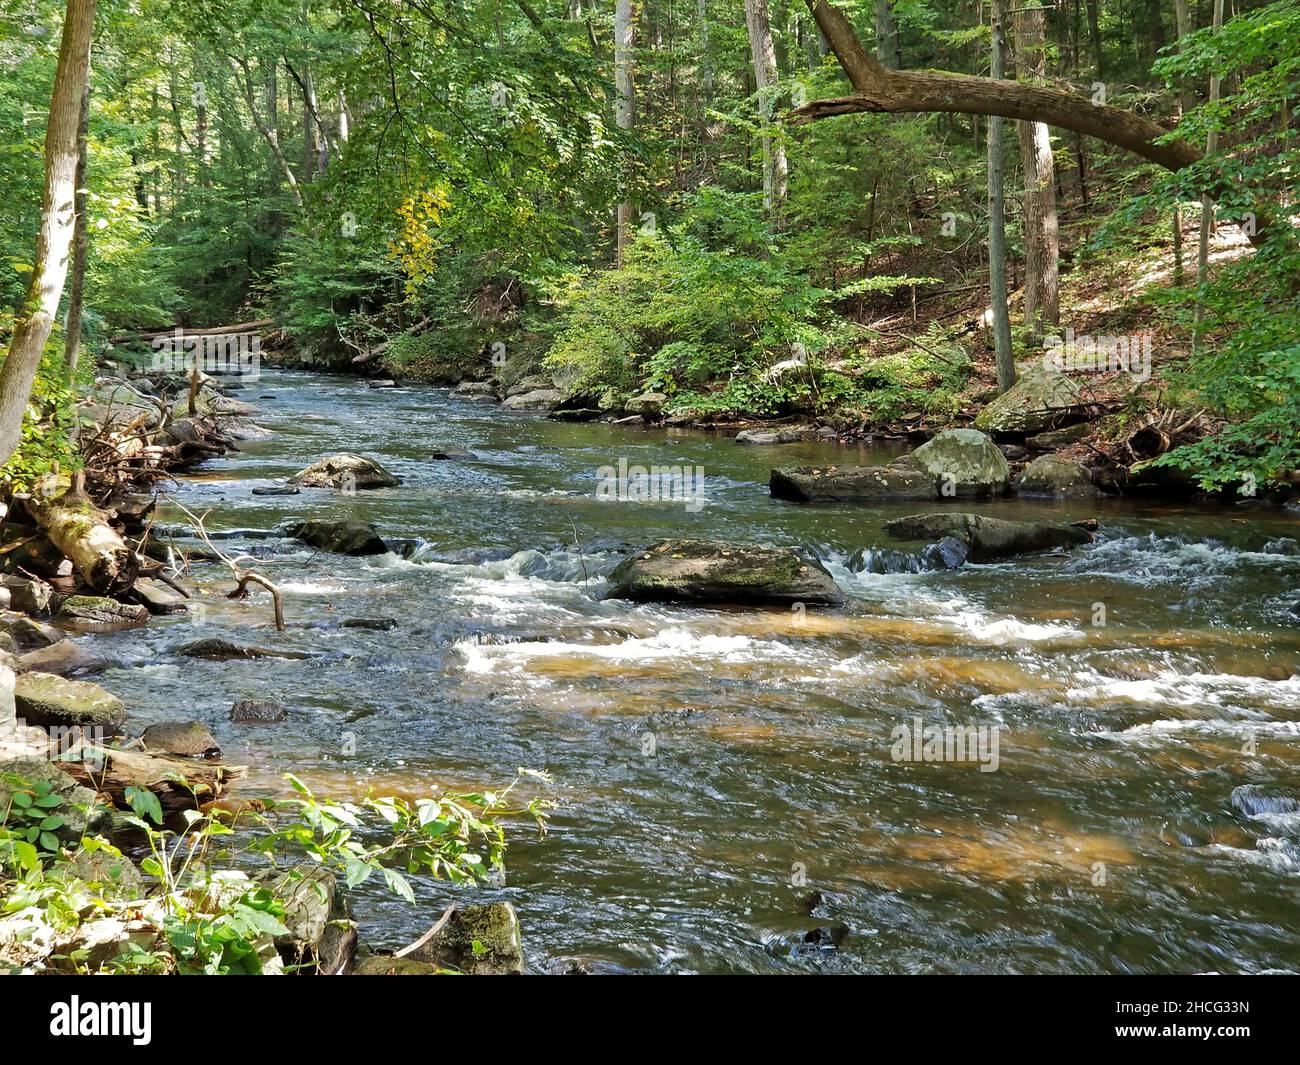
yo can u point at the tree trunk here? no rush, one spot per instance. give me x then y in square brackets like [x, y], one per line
[909, 91]
[1094, 32]
[997, 223]
[1186, 101]
[77, 528]
[76, 295]
[35, 317]
[1042, 244]
[270, 134]
[625, 107]
[1207, 203]
[775, 170]
[887, 48]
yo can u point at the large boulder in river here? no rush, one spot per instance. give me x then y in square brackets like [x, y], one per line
[346, 471]
[50, 701]
[902, 481]
[342, 537]
[714, 571]
[538, 399]
[648, 404]
[1042, 398]
[1056, 478]
[964, 464]
[988, 538]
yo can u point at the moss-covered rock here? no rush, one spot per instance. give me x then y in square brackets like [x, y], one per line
[902, 481]
[715, 571]
[1042, 398]
[50, 701]
[988, 538]
[479, 939]
[1053, 477]
[95, 613]
[964, 464]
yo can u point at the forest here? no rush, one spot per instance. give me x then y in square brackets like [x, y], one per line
[815, 485]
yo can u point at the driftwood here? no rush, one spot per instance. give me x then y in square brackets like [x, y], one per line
[180, 783]
[371, 354]
[78, 528]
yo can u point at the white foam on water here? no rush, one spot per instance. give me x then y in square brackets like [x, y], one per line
[1215, 690]
[1279, 855]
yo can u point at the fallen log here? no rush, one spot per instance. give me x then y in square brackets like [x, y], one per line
[80, 530]
[220, 330]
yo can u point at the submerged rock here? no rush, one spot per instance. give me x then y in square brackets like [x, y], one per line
[378, 624]
[189, 739]
[219, 650]
[50, 701]
[452, 454]
[988, 538]
[258, 712]
[277, 490]
[346, 471]
[902, 481]
[1042, 398]
[964, 464]
[714, 571]
[1056, 478]
[479, 939]
[341, 537]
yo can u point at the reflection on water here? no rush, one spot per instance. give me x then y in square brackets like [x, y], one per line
[1108, 840]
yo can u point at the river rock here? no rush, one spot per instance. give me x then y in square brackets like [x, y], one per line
[1056, 478]
[546, 399]
[492, 926]
[61, 659]
[988, 538]
[81, 811]
[475, 390]
[320, 935]
[159, 597]
[345, 537]
[531, 383]
[903, 481]
[189, 739]
[20, 593]
[648, 404]
[219, 650]
[386, 382]
[714, 571]
[27, 634]
[452, 454]
[1058, 438]
[768, 437]
[277, 490]
[378, 624]
[346, 471]
[50, 701]
[93, 613]
[387, 965]
[1042, 398]
[258, 712]
[964, 464]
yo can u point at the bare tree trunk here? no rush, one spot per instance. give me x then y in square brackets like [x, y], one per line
[1042, 241]
[76, 295]
[35, 317]
[625, 112]
[269, 133]
[775, 169]
[1207, 203]
[997, 223]
[1094, 32]
[1183, 24]
[887, 47]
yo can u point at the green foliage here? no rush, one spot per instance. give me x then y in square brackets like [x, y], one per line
[209, 916]
[46, 445]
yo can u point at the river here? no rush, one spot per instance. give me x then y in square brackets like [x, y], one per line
[1144, 815]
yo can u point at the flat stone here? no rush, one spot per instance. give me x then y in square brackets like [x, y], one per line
[545, 399]
[189, 739]
[93, 613]
[219, 650]
[988, 538]
[258, 712]
[49, 701]
[901, 481]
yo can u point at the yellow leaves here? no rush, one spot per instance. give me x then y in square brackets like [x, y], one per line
[415, 248]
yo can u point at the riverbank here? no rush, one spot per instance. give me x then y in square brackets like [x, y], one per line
[671, 727]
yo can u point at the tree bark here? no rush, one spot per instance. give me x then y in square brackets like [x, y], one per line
[1094, 33]
[887, 47]
[1042, 243]
[1186, 101]
[35, 318]
[997, 223]
[625, 113]
[269, 133]
[1207, 203]
[76, 295]
[879, 90]
[775, 168]
[104, 561]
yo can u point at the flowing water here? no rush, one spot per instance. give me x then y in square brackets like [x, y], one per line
[1143, 815]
